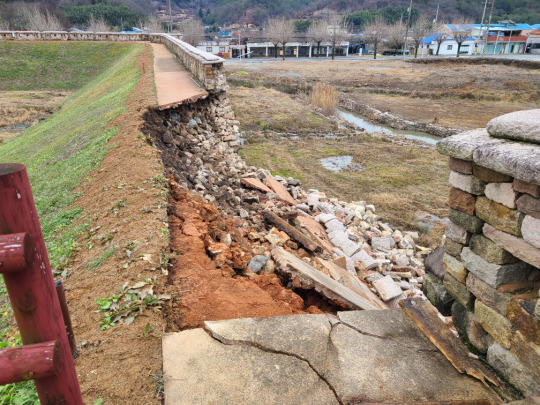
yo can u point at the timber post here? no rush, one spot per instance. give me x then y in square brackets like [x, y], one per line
[46, 355]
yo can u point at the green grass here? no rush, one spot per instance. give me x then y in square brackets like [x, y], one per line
[58, 154]
[54, 65]
[94, 264]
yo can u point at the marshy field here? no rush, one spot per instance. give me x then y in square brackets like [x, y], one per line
[285, 132]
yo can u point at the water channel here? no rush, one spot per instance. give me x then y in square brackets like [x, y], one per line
[368, 127]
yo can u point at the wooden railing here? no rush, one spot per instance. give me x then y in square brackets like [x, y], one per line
[45, 356]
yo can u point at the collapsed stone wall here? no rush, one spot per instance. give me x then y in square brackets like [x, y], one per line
[492, 245]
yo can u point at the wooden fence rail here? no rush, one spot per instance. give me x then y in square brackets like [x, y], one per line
[46, 355]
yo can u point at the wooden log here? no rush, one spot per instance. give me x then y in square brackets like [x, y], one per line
[30, 362]
[16, 252]
[425, 317]
[31, 292]
[309, 277]
[293, 233]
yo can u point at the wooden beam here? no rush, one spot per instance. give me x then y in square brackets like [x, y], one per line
[290, 230]
[30, 362]
[310, 277]
[16, 252]
[425, 317]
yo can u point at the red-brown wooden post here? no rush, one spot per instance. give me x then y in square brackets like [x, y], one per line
[28, 362]
[31, 290]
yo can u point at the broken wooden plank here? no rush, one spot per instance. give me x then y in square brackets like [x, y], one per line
[290, 230]
[255, 183]
[341, 275]
[280, 190]
[310, 277]
[425, 317]
[315, 230]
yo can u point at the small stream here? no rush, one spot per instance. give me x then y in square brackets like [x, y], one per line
[368, 127]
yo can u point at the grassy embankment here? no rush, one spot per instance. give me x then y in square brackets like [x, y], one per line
[402, 181]
[61, 150]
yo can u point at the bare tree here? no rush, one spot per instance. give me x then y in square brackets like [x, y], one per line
[395, 37]
[4, 25]
[192, 32]
[318, 33]
[97, 24]
[153, 25]
[441, 34]
[40, 20]
[279, 31]
[420, 30]
[338, 31]
[374, 33]
[460, 32]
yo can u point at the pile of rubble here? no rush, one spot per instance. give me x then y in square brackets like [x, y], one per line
[310, 240]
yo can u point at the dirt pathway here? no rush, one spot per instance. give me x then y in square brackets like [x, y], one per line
[173, 82]
[124, 205]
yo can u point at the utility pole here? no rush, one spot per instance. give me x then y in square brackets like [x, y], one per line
[437, 15]
[239, 45]
[170, 18]
[482, 27]
[407, 30]
[489, 24]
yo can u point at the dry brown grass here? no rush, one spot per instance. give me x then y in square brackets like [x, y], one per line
[324, 97]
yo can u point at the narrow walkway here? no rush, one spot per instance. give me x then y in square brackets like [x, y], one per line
[174, 84]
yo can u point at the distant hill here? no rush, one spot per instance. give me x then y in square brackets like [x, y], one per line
[257, 11]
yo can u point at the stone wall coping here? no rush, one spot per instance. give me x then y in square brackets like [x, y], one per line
[204, 57]
[517, 159]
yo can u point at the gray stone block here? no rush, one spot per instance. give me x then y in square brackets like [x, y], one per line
[462, 146]
[516, 246]
[530, 229]
[517, 125]
[489, 295]
[467, 182]
[459, 291]
[509, 366]
[469, 328]
[494, 274]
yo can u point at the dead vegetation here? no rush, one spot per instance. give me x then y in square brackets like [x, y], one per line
[22, 109]
[324, 97]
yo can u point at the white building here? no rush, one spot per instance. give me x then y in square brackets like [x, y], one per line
[296, 47]
[218, 46]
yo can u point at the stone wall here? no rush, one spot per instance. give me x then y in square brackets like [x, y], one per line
[492, 245]
[205, 67]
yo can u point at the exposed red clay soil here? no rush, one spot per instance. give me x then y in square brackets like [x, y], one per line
[211, 293]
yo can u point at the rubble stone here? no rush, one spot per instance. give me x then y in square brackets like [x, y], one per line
[434, 263]
[499, 216]
[386, 288]
[467, 183]
[503, 193]
[495, 324]
[382, 244]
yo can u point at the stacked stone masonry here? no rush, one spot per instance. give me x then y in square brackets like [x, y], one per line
[492, 244]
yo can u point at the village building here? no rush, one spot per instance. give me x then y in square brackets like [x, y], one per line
[299, 46]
